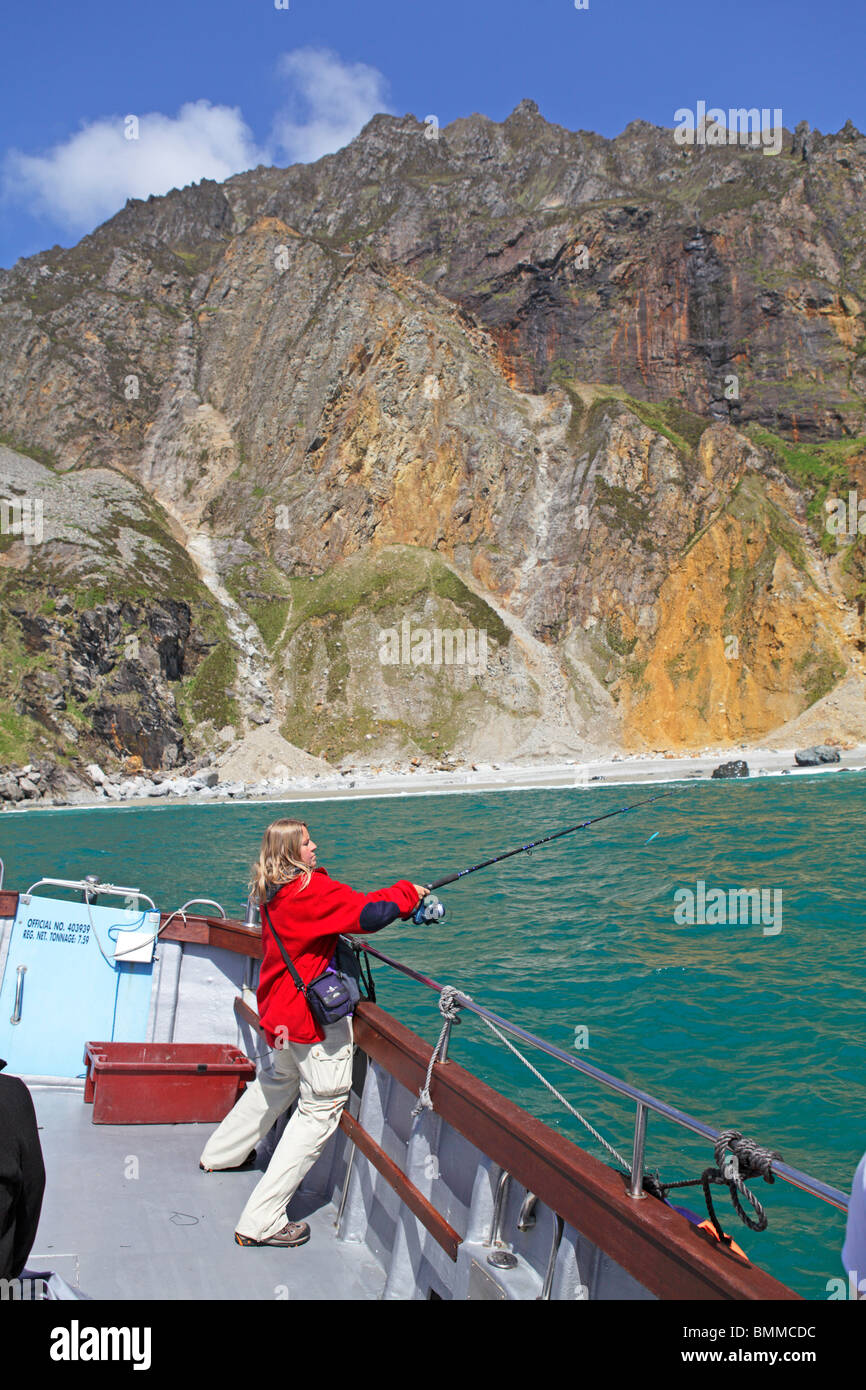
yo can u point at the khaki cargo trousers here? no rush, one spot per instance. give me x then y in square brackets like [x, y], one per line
[317, 1075]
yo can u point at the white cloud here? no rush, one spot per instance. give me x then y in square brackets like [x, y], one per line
[334, 99]
[87, 178]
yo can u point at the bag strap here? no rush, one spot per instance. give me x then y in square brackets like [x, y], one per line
[282, 950]
[366, 980]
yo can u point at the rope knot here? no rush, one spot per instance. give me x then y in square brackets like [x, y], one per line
[449, 1008]
[747, 1160]
[752, 1161]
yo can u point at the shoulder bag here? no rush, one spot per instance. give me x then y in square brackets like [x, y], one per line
[331, 996]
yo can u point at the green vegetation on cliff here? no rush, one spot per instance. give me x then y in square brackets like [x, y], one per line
[344, 692]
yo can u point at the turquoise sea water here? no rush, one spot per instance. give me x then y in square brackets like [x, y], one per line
[761, 1032]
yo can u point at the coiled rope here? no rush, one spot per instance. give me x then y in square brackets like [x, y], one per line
[748, 1160]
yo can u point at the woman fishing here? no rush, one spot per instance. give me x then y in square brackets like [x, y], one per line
[307, 910]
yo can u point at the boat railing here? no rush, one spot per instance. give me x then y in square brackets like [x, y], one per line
[91, 887]
[643, 1101]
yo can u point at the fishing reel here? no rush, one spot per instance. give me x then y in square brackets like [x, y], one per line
[428, 910]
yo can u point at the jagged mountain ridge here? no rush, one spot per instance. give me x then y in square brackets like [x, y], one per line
[396, 346]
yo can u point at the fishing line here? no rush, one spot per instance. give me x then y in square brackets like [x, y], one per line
[432, 910]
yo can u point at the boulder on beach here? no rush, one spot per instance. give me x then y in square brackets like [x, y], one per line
[9, 788]
[821, 753]
[739, 768]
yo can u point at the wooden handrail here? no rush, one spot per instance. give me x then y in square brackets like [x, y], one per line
[213, 931]
[248, 1015]
[432, 1220]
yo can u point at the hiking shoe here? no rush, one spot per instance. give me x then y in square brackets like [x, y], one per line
[238, 1168]
[294, 1233]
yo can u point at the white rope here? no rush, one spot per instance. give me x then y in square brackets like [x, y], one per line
[449, 1009]
[558, 1094]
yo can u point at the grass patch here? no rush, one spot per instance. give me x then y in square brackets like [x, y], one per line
[822, 469]
[206, 694]
[820, 672]
[388, 579]
[632, 517]
[31, 451]
[613, 635]
[269, 616]
[18, 735]
[681, 427]
[812, 464]
[678, 425]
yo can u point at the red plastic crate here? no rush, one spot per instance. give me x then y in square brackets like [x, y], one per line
[163, 1083]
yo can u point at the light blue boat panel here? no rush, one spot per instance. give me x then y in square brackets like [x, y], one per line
[70, 994]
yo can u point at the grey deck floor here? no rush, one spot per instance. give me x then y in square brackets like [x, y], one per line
[169, 1232]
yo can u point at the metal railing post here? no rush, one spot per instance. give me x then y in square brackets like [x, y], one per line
[635, 1187]
[558, 1226]
[350, 1163]
[499, 1257]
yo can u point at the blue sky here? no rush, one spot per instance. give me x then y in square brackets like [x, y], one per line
[221, 85]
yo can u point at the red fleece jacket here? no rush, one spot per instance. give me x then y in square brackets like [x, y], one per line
[308, 922]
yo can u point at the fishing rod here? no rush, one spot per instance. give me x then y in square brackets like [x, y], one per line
[431, 910]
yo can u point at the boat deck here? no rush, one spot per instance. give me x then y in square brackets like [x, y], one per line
[169, 1232]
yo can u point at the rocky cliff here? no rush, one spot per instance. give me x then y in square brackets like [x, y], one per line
[587, 398]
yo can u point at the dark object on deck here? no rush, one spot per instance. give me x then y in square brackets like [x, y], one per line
[22, 1176]
[735, 769]
[163, 1083]
[811, 757]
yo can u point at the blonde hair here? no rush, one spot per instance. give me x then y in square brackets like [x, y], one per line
[279, 859]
